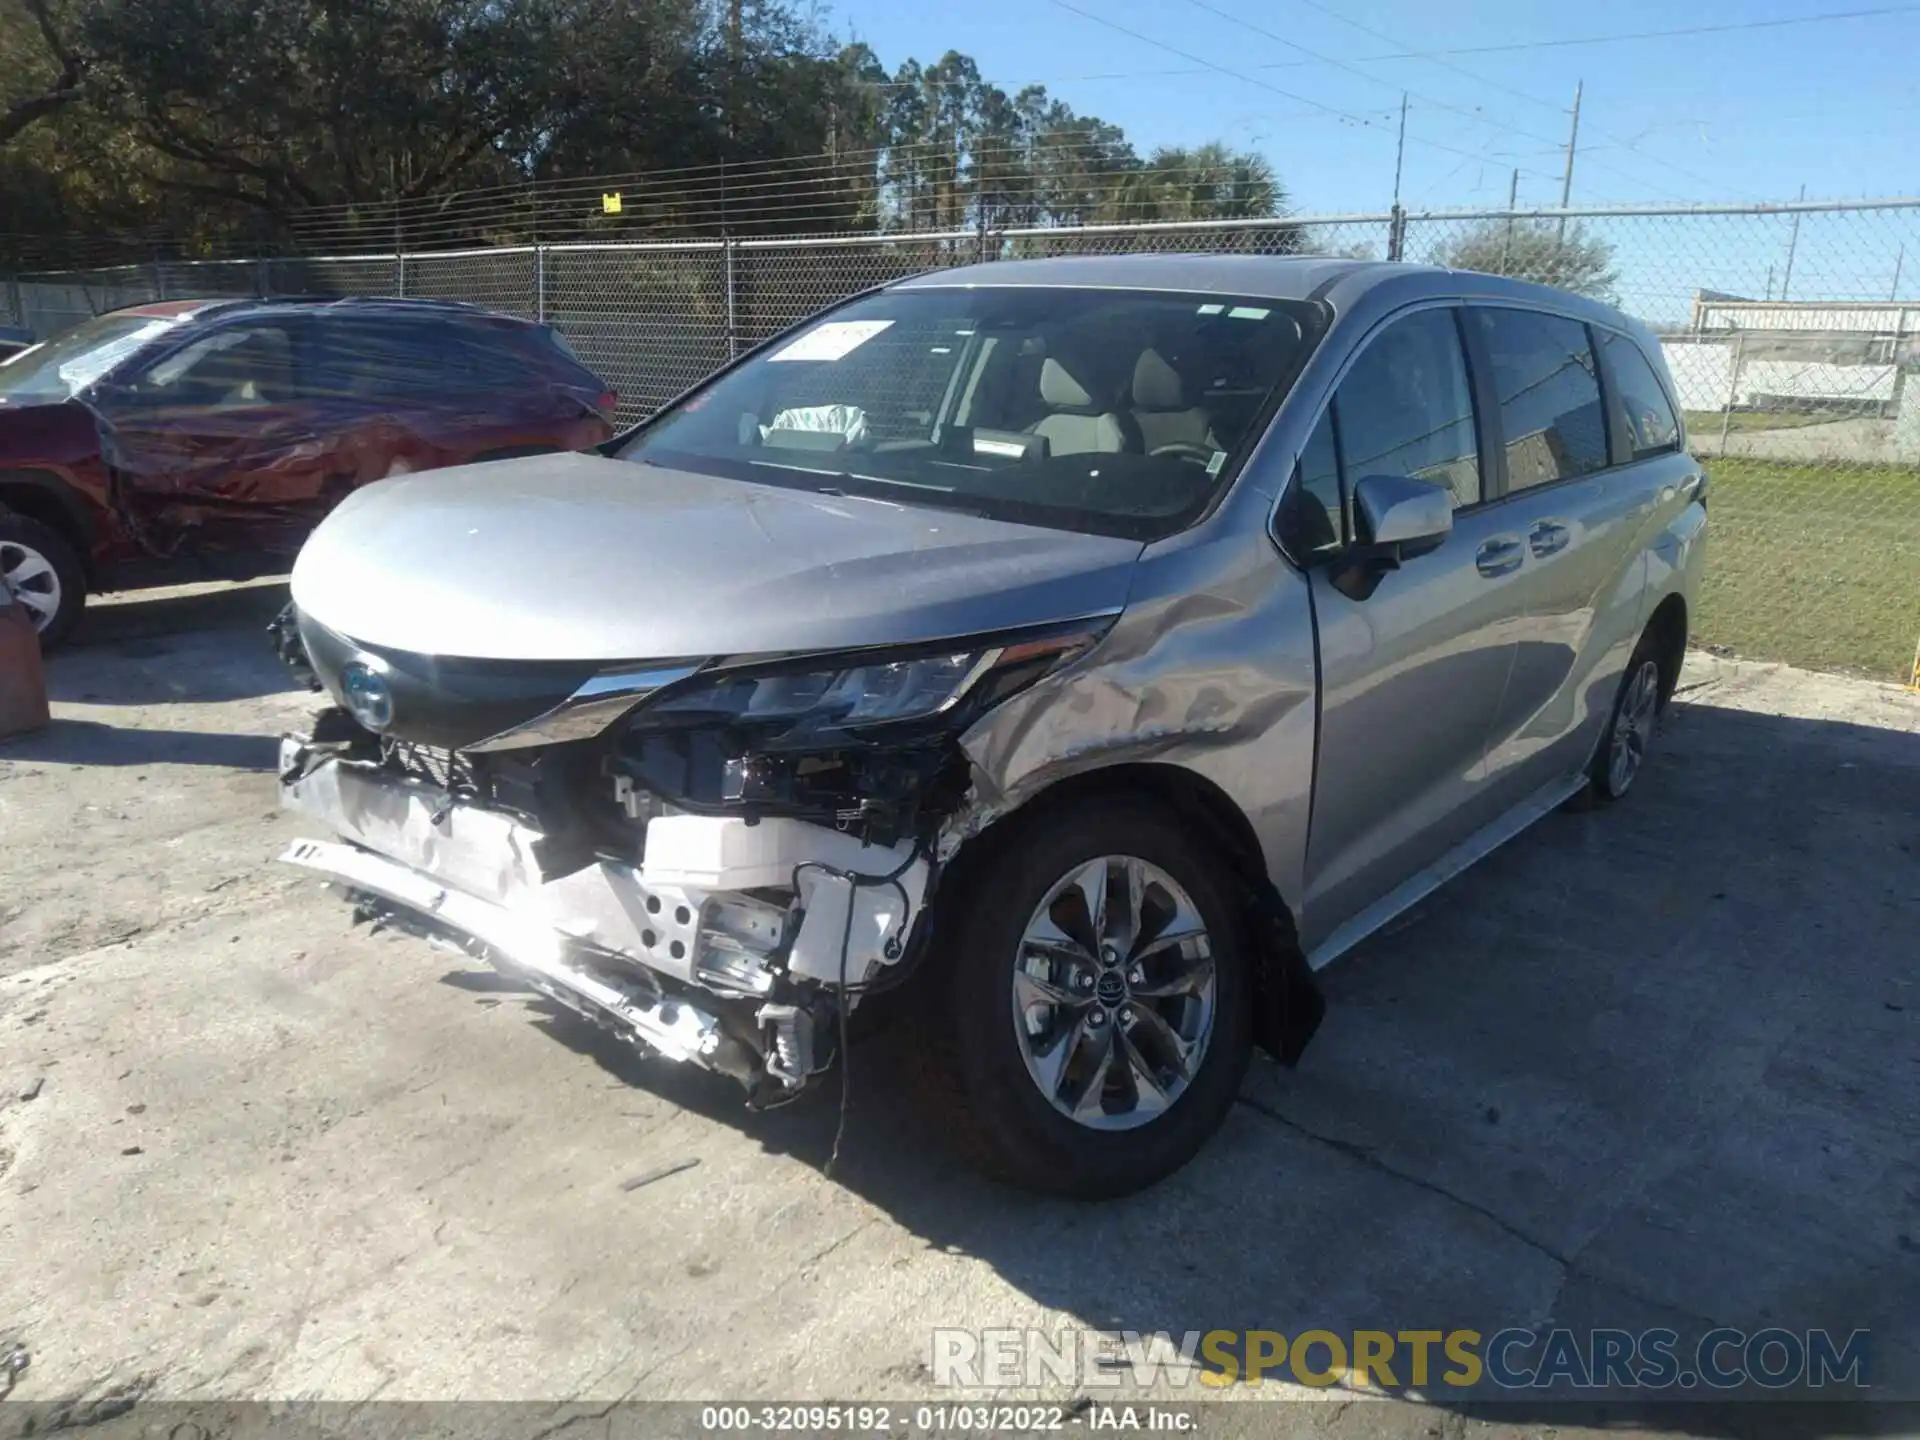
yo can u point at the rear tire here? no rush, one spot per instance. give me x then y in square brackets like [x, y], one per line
[45, 574]
[1094, 1074]
[1637, 707]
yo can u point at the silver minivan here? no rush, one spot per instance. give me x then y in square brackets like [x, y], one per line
[1082, 650]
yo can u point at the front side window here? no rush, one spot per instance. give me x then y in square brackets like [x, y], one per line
[1640, 399]
[233, 367]
[1110, 411]
[1406, 408]
[1315, 517]
[1549, 391]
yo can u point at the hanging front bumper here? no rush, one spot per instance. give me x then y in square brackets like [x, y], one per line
[714, 923]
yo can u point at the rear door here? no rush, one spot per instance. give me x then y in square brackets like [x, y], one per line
[1584, 510]
[1411, 676]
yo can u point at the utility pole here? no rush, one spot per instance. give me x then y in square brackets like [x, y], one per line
[1793, 243]
[733, 104]
[1400, 150]
[1893, 291]
[1513, 203]
[1396, 223]
[1573, 144]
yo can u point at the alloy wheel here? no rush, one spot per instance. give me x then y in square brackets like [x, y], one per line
[1114, 993]
[1633, 726]
[33, 580]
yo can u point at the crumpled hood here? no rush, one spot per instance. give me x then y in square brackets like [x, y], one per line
[579, 557]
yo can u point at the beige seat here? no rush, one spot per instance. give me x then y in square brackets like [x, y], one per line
[1078, 424]
[1160, 408]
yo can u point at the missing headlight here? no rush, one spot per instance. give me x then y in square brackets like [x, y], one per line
[864, 742]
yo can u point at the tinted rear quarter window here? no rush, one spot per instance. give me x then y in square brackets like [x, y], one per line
[1549, 391]
[1640, 399]
[372, 359]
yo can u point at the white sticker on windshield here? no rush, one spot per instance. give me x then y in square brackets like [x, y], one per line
[1248, 312]
[834, 340]
[1211, 309]
[1213, 465]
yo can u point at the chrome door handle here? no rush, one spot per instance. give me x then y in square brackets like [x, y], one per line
[1500, 556]
[1548, 537]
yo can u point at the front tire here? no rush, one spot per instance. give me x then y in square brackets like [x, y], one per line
[45, 574]
[1089, 1018]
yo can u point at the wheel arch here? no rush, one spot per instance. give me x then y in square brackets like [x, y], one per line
[1668, 626]
[43, 496]
[1288, 1004]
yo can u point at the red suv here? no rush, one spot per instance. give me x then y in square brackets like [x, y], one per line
[223, 430]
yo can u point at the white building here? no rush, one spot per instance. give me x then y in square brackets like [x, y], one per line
[1793, 354]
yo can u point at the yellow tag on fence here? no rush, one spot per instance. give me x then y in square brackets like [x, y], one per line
[610, 204]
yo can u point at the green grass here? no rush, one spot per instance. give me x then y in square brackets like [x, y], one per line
[1816, 565]
[1706, 423]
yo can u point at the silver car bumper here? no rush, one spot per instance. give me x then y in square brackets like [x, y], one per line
[540, 953]
[659, 961]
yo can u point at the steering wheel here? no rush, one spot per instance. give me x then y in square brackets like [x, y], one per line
[1192, 450]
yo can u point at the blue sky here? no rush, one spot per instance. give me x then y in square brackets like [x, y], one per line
[1745, 114]
[1749, 114]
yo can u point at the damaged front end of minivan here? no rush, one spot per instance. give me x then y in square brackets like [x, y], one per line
[718, 861]
[712, 859]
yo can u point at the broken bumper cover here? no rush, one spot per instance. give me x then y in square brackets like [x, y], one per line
[676, 1030]
[691, 954]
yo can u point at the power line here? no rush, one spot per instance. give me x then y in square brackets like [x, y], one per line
[1723, 29]
[1509, 47]
[1504, 126]
[1250, 80]
[1438, 57]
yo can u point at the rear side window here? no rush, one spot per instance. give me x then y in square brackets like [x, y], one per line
[490, 356]
[548, 335]
[1549, 390]
[1640, 399]
[1405, 408]
[367, 359]
[373, 358]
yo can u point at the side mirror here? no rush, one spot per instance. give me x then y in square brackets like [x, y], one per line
[1395, 518]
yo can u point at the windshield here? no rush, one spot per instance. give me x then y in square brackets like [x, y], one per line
[63, 367]
[1109, 411]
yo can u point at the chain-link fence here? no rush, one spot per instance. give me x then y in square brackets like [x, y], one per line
[1789, 344]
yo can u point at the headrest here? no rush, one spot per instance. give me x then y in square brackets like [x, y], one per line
[1061, 390]
[1156, 384]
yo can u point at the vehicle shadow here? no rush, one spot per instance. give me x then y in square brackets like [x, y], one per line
[1650, 1066]
[88, 742]
[160, 647]
[137, 614]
